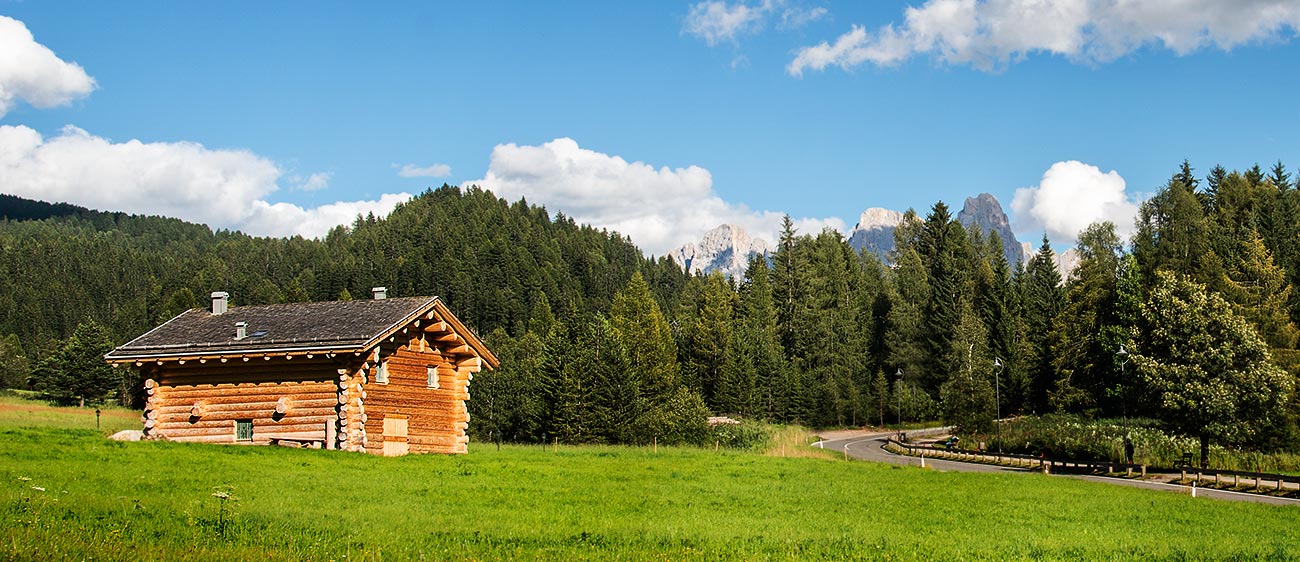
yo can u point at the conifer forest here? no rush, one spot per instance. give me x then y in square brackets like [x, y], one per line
[1190, 323]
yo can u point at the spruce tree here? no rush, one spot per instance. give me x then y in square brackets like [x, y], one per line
[644, 332]
[1043, 300]
[1259, 292]
[1087, 333]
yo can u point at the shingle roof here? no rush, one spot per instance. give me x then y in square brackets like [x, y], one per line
[298, 326]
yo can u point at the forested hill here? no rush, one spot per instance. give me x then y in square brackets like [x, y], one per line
[488, 258]
[1190, 323]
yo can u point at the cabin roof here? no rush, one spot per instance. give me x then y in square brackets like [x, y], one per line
[324, 326]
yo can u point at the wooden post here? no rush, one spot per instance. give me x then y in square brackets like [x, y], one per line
[1144, 472]
[656, 441]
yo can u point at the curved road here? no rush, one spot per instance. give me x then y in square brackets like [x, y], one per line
[870, 447]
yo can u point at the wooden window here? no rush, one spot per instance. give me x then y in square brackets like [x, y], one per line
[381, 369]
[243, 430]
[432, 373]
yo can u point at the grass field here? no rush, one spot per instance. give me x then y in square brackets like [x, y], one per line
[70, 494]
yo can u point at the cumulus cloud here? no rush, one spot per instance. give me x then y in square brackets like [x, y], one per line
[221, 188]
[31, 72]
[990, 34]
[659, 208]
[431, 171]
[718, 21]
[1071, 196]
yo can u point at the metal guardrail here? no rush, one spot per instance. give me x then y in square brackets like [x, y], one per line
[1256, 480]
[1220, 478]
[1012, 459]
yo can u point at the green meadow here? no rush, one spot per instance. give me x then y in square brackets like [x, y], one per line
[68, 493]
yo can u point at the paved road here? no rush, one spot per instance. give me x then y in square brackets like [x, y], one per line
[870, 447]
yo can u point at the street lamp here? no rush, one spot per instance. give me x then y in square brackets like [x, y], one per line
[1123, 360]
[898, 386]
[997, 397]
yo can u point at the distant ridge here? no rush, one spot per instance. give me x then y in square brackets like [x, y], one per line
[16, 208]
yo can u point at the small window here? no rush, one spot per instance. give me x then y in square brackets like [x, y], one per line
[432, 373]
[381, 373]
[243, 430]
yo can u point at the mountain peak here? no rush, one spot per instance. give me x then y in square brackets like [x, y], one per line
[877, 218]
[725, 248]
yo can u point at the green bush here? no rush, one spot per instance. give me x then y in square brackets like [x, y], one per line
[748, 435]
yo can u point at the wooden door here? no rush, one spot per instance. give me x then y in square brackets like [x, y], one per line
[395, 442]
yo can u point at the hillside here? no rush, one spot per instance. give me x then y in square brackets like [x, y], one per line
[489, 259]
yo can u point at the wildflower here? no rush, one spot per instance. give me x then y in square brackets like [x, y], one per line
[38, 488]
[221, 495]
[24, 479]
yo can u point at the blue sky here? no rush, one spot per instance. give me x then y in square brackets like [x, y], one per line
[661, 119]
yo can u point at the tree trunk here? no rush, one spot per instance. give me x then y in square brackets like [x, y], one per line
[1205, 451]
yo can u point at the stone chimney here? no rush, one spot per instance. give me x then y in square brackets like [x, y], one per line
[220, 299]
[380, 293]
[241, 330]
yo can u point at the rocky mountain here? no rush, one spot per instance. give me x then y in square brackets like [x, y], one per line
[875, 231]
[985, 211]
[726, 248]
[1065, 261]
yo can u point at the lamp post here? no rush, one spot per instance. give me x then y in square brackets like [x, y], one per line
[1123, 401]
[997, 397]
[898, 385]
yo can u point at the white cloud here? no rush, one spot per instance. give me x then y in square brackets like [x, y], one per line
[432, 171]
[31, 72]
[796, 17]
[313, 182]
[989, 34]
[221, 188]
[1071, 196]
[718, 21]
[658, 208]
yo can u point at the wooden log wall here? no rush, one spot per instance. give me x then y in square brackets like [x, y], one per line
[201, 402]
[437, 417]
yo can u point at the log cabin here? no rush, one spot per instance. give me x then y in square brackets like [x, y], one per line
[385, 376]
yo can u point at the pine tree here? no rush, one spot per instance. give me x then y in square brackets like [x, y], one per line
[944, 249]
[1043, 300]
[1255, 175]
[706, 335]
[77, 373]
[1087, 333]
[13, 363]
[645, 334]
[1259, 292]
[757, 334]
[968, 395]
[1172, 230]
[1279, 176]
[905, 336]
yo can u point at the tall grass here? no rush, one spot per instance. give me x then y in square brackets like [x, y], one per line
[18, 411]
